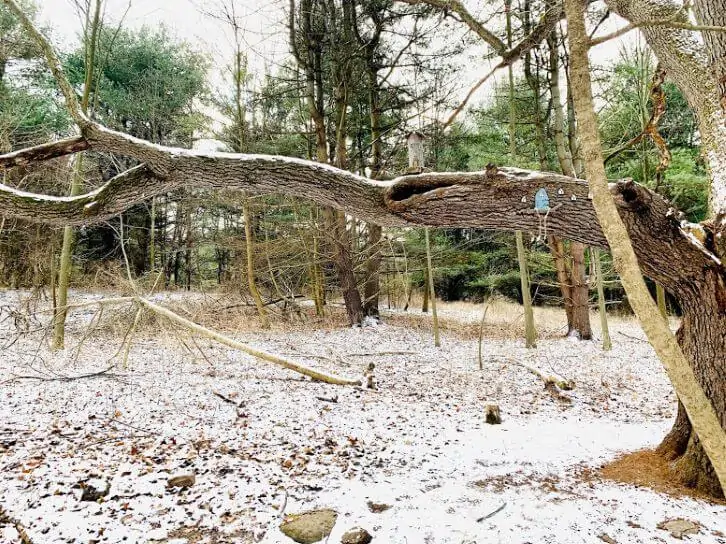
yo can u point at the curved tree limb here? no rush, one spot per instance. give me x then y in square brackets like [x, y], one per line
[497, 199]
[508, 56]
[477, 27]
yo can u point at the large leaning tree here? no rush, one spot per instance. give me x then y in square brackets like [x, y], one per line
[499, 198]
[694, 56]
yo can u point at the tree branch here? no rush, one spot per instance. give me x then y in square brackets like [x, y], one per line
[668, 23]
[539, 33]
[43, 152]
[457, 7]
[497, 199]
[471, 93]
[269, 357]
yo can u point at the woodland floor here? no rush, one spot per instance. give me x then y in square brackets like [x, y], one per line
[418, 444]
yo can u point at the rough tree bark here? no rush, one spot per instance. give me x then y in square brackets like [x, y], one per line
[311, 58]
[605, 330]
[530, 332]
[240, 73]
[370, 45]
[430, 288]
[694, 66]
[705, 407]
[574, 288]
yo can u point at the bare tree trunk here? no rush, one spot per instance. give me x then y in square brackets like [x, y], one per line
[580, 325]
[701, 313]
[375, 232]
[310, 58]
[660, 297]
[426, 291]
[372, 287]
[64, 272]
[152, 236]
[316, 271]
[431, 290]
[601, 306]
[250, 250]
[344, 265]
[576, 293]
[530, 333]
[557, 249]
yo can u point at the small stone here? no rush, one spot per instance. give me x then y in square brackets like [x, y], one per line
[92, 494]
[678, 528]
[356, 536]
[183, 480]
[377, 507]
[309, 527]
[492, 414]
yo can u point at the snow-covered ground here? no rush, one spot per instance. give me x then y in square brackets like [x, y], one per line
[259, 439]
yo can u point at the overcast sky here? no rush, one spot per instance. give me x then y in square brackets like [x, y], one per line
[263, 24]
[264, 31]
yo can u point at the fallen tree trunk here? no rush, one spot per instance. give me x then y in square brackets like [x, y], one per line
[269, 357]
[218, 337]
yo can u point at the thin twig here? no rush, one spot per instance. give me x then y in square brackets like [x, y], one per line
[490, 514]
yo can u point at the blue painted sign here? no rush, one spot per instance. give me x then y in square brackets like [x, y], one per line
[541, 201]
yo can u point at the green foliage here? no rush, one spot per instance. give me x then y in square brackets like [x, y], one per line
[272, 115]
[149, 84]
[14, 41]
[28, 117]
[686, 184]
[471, 264]
[628, 108]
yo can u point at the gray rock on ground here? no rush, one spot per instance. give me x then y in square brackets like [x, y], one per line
[356, 536]
[309, 527]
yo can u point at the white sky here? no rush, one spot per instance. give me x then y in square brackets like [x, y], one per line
[265, 32]
[266, 40]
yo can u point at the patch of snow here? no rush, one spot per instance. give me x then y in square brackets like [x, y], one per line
[419, 443]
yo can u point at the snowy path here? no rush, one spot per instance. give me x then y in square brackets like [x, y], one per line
[418, 444]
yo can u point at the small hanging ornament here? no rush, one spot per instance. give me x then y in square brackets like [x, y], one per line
[542, 205]
[541, 201]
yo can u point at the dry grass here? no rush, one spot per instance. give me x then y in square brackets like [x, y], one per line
[645, 468]
[504, 319]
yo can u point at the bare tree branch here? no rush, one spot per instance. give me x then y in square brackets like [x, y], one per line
[471, 93]
[457, 7]
[668, 23]
[43, 152]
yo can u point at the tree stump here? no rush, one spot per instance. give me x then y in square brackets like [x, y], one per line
[492, 414]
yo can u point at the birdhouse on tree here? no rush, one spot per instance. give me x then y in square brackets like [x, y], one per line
[415, 142]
